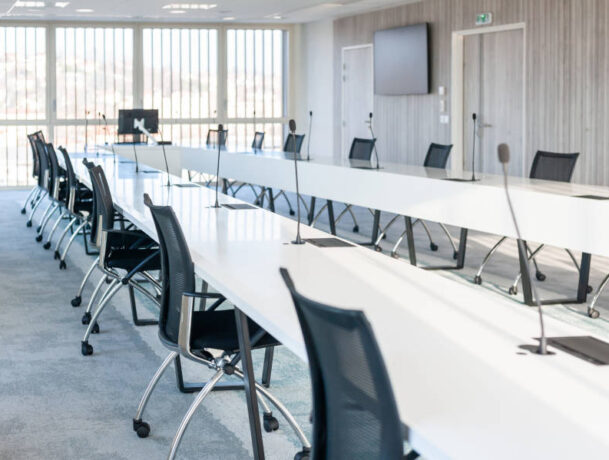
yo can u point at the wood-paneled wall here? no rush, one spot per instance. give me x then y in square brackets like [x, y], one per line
[567, 77]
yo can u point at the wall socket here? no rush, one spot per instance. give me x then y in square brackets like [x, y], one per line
[444, 119]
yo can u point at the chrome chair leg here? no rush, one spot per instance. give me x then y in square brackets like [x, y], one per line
[45, 214]
[383, 232]
[513, 290]
[76, 301]
[44, 222]
[62, 260]
[47, 243]
[63, 235]
[142, 428]
[592, 312]
[29, 197]
[433, 246]
[318, 215]
[348, 209]
[86, 317]
[33, 211]
[191, 410]
[86, 348]
[287, 200]
[396, 246]
[487, 257]
[450, 239]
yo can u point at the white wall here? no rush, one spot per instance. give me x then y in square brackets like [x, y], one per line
[313, 88]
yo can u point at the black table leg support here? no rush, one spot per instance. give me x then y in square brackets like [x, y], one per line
[271, 200]
[375, 226]
[311, 210]
[269, 354]
[412, 252]
[331, 217]
[248, 380]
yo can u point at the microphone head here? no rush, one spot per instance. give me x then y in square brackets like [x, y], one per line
[104, 116]
[370, 115]
[292, 126]
[310, 113]
[503, 151]
[220, 128]
[474, 116]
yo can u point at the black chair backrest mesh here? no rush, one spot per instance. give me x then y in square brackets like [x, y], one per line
[437, 156]
[293, 143]
[553, 166]
[104, 206]
[354, 411]
[361, 149]
[70, 175]
[44, 172]
[32, 138]
[89, 165]
[56, 173]
[177, 268]
[214, 139]
[258, 140]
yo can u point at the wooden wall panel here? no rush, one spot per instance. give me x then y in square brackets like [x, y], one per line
[567, 77]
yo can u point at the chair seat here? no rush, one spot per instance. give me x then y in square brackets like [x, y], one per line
[218, 330]
[128, 259]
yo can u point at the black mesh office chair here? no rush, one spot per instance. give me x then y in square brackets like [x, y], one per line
[546, 166]
[193, 334]
[123, 255]
[34, 194]
[293, 143]
[212, 138]
[44, 179]
[258, 141]
[57, 183]
[354, 411]
[437, 157]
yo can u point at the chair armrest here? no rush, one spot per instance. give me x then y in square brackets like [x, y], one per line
[206, 295]
[125, 239]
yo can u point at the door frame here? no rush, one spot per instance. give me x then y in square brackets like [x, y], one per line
[456, 83]
[343, 148]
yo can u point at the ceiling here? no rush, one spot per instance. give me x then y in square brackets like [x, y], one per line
[251, 11]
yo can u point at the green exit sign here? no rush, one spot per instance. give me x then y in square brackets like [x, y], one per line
[484, 19]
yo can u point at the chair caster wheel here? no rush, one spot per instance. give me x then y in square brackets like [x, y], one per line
[292, 212]
[589, 289]
[95, 329]
[512, 290]
[455, 255]
[47, 245]
[356, 229]
[86, 318]
[257, 202]
[76, 301]
[592, 313]
[540, 276]
[433, 246]
[86, 349]
[28, 223]
[385, 237]
[477, 280]
[270, 423]
[38, 229]
[395, 255]
[23, 211]
[108, 280]
[62, 265]
[141, 428]
[377, 248]
[38, 238]
[304, 454]
[56, 255]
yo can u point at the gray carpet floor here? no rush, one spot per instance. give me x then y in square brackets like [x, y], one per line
[55, 403]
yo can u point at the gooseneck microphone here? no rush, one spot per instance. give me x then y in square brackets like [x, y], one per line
[474, 117]
[292, 125]
[309, 141]
[87, 130]
[376, 153]
[220, 133]
[105, 137]
[503, 152]
[165, 157]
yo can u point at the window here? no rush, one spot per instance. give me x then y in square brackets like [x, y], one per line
[255, 85]
[22, 100]
[181, 80]
[94, 76]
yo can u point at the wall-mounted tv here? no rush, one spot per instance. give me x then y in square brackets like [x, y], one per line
[401, 61]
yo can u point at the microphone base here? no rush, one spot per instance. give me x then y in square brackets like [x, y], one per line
[298, 240]
[534, 349]
[459, 179]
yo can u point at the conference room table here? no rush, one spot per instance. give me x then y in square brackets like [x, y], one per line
[565, 215]
[464, 387]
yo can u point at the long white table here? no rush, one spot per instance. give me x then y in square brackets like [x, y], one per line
[571, 216]
[462, 385]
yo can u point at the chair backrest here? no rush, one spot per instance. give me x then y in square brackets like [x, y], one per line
[178, 273]
[94, 220]
[35, 160]
[55, 170]
[104, 206]
[44, 171]
[258, 140]
[354, 410]
[361, 149]
[293, 144]
[553, 166]
[437, 156]
[213, 139]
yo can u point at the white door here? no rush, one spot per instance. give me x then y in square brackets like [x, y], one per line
[357, 94]
[493, 88]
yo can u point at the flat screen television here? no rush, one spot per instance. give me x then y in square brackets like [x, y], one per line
[401, 61]
[126, 117]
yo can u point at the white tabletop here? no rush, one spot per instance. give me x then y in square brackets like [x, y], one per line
[451, 350]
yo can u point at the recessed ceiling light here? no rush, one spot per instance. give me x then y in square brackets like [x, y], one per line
[27, 4]
[228, 18]
[84, 10]
[277, 17]
[177, 11]
[61, 4]
[190, 6]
